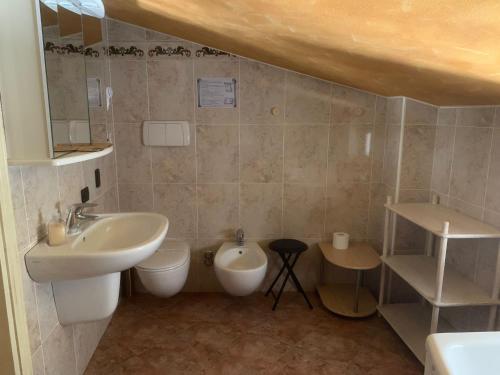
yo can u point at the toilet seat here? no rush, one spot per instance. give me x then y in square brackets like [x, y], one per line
[172, 255]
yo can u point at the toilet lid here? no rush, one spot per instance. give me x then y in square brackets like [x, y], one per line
[173, 254]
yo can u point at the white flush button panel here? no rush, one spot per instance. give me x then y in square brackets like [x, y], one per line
[166, 133]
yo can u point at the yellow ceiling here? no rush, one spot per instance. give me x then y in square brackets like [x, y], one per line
[445, 52]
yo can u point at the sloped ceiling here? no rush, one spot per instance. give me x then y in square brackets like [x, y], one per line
[446, 52]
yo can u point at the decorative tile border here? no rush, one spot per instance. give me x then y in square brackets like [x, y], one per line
[122, 51]
[68, 49]
[169, 51]
[207, 51]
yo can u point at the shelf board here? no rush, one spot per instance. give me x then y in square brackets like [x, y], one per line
[339, 299]
[358, 256]
[412, 322]
[63, 158]
[431, 217]
[420, 272]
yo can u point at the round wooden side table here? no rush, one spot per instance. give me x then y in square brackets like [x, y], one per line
[350, 300]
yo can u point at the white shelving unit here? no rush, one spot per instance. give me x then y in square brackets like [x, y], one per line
[440, 287]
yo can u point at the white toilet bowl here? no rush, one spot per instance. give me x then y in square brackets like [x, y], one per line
[240, 269]
[165, 272]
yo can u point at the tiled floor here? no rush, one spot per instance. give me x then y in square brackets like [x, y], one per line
[211, 333]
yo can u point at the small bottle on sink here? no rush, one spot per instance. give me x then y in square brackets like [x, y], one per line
[57, 232]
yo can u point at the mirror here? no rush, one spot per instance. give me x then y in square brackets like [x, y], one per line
[64, 51]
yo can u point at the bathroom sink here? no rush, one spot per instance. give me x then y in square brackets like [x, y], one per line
[112, 243]
[463, 353]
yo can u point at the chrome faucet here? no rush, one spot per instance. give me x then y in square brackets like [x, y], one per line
[76, 214]
[240, 237]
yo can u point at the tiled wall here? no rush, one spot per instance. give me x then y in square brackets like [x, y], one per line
[451, 152]
[466, 176]
[305, 171]
[39, 194]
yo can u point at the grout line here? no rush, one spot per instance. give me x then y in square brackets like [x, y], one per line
[400, 150]
[372, 161]
[325, 189]
[150, 149]
[239, 140]
[115, 152]
[195, 136]
[450, 175]
[488, 170]
[284, 129]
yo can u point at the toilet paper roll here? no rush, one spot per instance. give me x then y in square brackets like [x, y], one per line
[340, 240]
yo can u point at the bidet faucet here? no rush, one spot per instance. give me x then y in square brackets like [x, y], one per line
[240, 237]
[76, 214]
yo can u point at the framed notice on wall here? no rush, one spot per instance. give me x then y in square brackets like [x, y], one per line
[216, 92]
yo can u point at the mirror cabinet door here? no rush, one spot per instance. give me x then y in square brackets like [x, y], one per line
[66, 75]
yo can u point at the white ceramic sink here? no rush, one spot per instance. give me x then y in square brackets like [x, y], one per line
[113, 243]
[469, 353]
[85, 272]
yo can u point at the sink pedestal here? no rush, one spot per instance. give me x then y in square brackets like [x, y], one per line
[86, 300]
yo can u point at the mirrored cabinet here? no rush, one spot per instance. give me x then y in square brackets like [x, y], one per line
[66, 120]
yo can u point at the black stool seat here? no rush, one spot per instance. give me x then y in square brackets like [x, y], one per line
[286, 248]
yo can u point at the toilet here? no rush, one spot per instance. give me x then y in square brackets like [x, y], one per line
[165, 272]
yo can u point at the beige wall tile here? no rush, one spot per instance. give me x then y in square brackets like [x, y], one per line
[303, 207]
[475, 116]
[305, 154]
[120, 31]
[261, 209]
[447, 116]
[31, 307]
[347, 209]
[156, 36]
[107, 169]
[206, 280]
[59, 352]
[130, 97]
[418, 113]
[378, 196]
[133, 158]
[178, 203]
[42, 198]
[443, 152]
[416, 164]
[350, 153]
[135, 197]
[213, 67]
[351, 106]
[175, 164]
[394, 110]
[262, 89]
[217, 210]
[468, 180]
[217, 153]
[171, 89]
[71, 182]
[308, 100]
[37, 362]
[391, 155]
[380, 110]
[47, 314]
[85, 340]
[17, 196]
[379, 138]
[493, 187]
[261, 153]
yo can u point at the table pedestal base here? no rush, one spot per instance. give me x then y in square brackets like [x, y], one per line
[340, 299]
